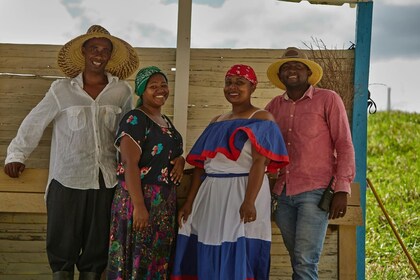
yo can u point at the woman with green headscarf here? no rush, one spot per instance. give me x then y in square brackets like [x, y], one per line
[150, 167]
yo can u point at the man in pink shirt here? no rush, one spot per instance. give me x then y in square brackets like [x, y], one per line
[316, 131]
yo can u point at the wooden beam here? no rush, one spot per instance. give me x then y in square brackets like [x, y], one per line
[22, 203]
[30, 181]
[182, 73]
[353, 217]
[346, 252]
[359, 119]
[24, 194]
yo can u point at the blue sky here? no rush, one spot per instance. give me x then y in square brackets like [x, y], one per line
[395, 57]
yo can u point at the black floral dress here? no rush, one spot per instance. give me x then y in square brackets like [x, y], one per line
[145, 254]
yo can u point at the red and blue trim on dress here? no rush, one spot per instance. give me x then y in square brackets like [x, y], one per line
[195, 260]
[228, 137]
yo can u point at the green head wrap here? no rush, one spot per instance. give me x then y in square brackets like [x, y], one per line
[142, 78]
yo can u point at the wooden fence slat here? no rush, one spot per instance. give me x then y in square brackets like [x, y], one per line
[20, 218]
[347, 252]
[30, 181]
[22, 203]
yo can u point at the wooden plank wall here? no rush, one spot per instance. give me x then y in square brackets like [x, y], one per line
[26, 72]
[23, 233]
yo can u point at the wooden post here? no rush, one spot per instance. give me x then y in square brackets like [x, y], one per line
[359, 122]
[182, 74]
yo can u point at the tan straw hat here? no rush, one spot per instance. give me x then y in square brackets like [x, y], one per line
[294, 54]
[123, 62]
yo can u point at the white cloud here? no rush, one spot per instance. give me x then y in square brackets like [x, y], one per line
[230, 24]
[43, 22]
[401, 2]
[400, 76]
[271, 24]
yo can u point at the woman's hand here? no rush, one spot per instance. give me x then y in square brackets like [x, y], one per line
[140, 217]
[186, 209]
[184, 212]
[178, 169]
[256, 175]
[248, 212]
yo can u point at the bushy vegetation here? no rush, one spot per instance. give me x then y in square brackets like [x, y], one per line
[393, 167]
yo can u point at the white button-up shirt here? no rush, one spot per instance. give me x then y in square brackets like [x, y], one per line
[83, 132]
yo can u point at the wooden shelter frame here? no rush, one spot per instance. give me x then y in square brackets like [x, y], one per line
[359, 116]
[24, 195]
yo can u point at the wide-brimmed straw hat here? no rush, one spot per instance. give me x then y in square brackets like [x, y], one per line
[123, 62]
[294, 54]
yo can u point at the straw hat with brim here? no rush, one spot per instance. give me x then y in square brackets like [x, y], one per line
[123, 62]
[294, 54]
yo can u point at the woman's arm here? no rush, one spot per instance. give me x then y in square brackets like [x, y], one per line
[186, 209]
[130, 157]
[255, 179]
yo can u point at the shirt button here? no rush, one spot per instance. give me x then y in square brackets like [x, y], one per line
[288, 143]
[287, 171]
[291, 116]
[290, 129]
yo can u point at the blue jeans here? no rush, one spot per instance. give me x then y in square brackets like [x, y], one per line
[303, 226]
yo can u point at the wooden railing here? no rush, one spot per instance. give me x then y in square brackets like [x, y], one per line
[23, 230]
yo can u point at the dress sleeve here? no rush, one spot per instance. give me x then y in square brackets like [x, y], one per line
[134, 125]
[267, 139]
[229, 137]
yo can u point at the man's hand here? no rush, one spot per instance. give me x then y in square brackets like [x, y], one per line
[14, 169]
[338, 205]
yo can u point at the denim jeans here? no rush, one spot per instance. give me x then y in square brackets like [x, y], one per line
[303, 226]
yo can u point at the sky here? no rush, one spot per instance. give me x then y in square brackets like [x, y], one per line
[268, 24]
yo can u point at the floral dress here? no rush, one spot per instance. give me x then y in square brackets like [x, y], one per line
[145, 254]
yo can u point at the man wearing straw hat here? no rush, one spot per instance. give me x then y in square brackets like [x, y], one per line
[85, 110]
[316, 131]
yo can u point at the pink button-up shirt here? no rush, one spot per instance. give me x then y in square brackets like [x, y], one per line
[316, 131]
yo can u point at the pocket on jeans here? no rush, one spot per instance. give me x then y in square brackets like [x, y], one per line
[274, 204]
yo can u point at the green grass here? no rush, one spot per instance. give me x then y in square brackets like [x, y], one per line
[393, 167]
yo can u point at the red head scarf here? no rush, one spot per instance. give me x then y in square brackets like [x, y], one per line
[243, 71]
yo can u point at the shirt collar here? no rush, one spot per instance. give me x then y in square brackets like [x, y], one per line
[79, 79]
[309, 93]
